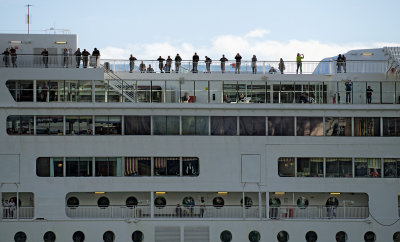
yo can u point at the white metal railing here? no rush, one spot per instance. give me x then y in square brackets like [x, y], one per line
[51, 61]
[108, 212]
[17, 213]
[318, 212]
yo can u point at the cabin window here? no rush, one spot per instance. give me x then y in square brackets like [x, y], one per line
[281, 126]
[166, 125]
[108, 166]
[20, 237]
[108, 125]
[252, 126]
[337, 126]
[20, 125]
[21, 91]
[166, 166]
[190, 166]
[339, 167]
[286, 166]
[79, 166]
[396, 237]
[223, 125]
[369, 236]
[218, 202]
[309, 126]
[49, 125]
[49, 166]
[47, 91]
[367, 167]
[391, 126]
[341, 236]
[137, 166]
[78, 236]
[137, 125]
[310, 167]
[195, 125]
[79, 125]
[311, 236]
[283, 236]
[367, 127]
[73, 202]
[131, 202]
[108, 236]
[254, 236]
[160, 202]
[137, 236]
[248, 202]
[49, 236]
[103, 202]
[226, 236]
[391, 167]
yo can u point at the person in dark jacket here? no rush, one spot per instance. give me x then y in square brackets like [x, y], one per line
[6, 57]
[208, 64]
[196, 59]
[78, 57]
[161, 63]
[45, 58]
[238, 59]
[96, 54]
[131, 63]
[85, 55]
[369, 94]
[168, 64]
[178, 61]
[13, 53]
[223, 60]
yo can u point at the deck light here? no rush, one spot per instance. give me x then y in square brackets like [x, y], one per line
[335, 193]
[222, 192]
[279, 193]
[59, 164]
[99, 192]
[61, 42]
[15, 42]
[160, 193]
[367, 54]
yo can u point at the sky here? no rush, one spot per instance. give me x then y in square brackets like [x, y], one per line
[268, 29]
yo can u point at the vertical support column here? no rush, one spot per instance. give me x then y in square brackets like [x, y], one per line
[93, 124]
[34, 91]
[94, 166]
[324, 166]
[353, 167]
[263, 65]
[381, 128]
[122, 125]
[380, 83]
[260, 205]
[34, 124]
[182, 231]
[208, 92]
[295, 166]
[64, 125]
[17, 202]
[323, 126]
[295, 125]
[64, 166]
[266, 126]
[243, 204]
[152, 166]
[93, 91]
[267, 205]
[152, 204]
[352, 126]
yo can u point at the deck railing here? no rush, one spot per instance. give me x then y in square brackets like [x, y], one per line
[318, 212]
[17, 213]
[51, 61]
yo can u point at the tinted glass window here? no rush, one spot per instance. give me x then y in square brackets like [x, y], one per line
[108, 166]
[79, 125]
[337, 126]
[253, 126]
[49, 125]
[137, 166]
[310, 167]
[195, 125]
[391, 126]
[281, 126]
[166, 125]
[137, 125]
[20, 125]
[286, 166]
[223, 125]
[367, 127]
[309, 126]
[339, 167]
[367, 167]
[190, 166]
[108, 125]
[79, 166]
[391, 167]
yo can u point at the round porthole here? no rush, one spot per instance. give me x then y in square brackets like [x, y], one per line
[248, 202]
[302, 202]
[218, 202]
[341, 236]
[78, 236]
[137, 236]
[20, 237]
[226, 236]
[188, 201]
[73, 202]
[274, 202]
[109, 236]
[160, 202]
[311, 236]
[131, 202]
[369, 236]
[49, 236]
[396, 237]
[283, 236]
[254, 236]
[103, 202]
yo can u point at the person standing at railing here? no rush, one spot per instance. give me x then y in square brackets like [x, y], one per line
[369, 94]
[131, 63]
[85, 55]
[223, 60]
[11, 204]
[142, 67]
[208, 62]
[348, 87]
[168, 64]
[195, 59]
[66, 57]
[6, 57]
[45, 58]
[150, 69]
[281, 65]
[254, 64]
[238, 59]
[78, 57]
[96, 56]
[161, 63]
[202, 207]
[299, 62]
[344, 63]
[178, 61]
[339, 63]
[13, 53]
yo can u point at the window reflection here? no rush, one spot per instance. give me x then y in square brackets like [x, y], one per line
[310, 167]
[78, 166]
[137, 125]
[49, 125]
[309, 126]
[339, 167]
[367, 127]
[391, 126]
[21, 91]
[337, 126]
[223, 125]
[195, 125]
[108, 166]
[20, 125]
[108, 125]
[286, 166]
[253, 126]
[166, 125]
[391, 167]
[190, 166]
[79, 125]
[137, 166]
[367, 167]
[166, 166]
[280, 126]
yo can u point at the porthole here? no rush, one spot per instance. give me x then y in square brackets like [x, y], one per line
[341, 236]
[20, 237]
[369, 236]
[248, 202]
[78, 236]
[73, 202]
[396, 237]
[283, 236]
[160, 202]
[137, 236]
[302, 202]
[254, 236]
[226, 236]
[332, 202]
[131, 202]
[109, 236]
[311, 236]
[103, 202]
[188, 201]
[49, 236]
[218, 202]
[274, 202]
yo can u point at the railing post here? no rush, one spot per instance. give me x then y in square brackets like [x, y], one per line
[151, 204]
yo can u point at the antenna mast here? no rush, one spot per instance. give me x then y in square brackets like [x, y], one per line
[28, 16]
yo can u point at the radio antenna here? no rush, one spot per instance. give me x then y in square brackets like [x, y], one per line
[29, 17]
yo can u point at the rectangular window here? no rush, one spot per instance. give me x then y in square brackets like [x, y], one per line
[286, 166]
[310, 167]
[391, 126]
[49, 166]
[309, 126]
[367, 167]
[339, 167]
[20, 125]
[21, 91]
[108, 125]
[190, 166]
[49, 125]
[195, 125]
[337, 126]
[79, 125]
[391, 167]
[367, 127]
[166, 166]
[281, 126]
[252, 126]
[108, 166]
[137, 125]
[166, 125]
[223, 125]
[79, 166]
[137, 166]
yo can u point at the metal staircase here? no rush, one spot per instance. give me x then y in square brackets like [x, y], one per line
[127, 90]
[393, 55]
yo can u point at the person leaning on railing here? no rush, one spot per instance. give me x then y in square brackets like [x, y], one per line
[66, 57]
[223, 60]
[13, 53]
[161, 63]
[281, 65]
[6, 57]
[45, 58]
[78, 57]
[195, 59]
[178, 61]
[254, 64]
[238, 59]
[85, 55]
[168, 64]
[131, 63]
[142, 67]
[208, 62]
[96, 55]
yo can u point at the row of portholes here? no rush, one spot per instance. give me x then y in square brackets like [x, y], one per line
[79, 236]
[302, 202]
[159, 201]
[311, 236]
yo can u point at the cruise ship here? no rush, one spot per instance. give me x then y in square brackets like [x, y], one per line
[115, 152]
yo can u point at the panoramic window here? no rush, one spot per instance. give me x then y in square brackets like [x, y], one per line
[226, 236]
[311, 236]
[341, 236]
[309, 126]
[218, 202]
[339, 167]
[281, 126]
[49, 236]
[137, 166]
[302, 202]
[254, 236]
[108, 125]
[79, 166]
[20, 237]
[166, 125]
[47, 91]
[108, 166]
[223, 125]
[49, 166]
[78, 236]
[73, 202]
[283, 236]
[367, 127]
[75, 91]
[49, 125]
[108, 236]
[369, 236]
[21, 91]
[195, 125]
[367, 167]
[137, 236]
[286, 166]
[252, 126]
[190, 166]
[137, 125]
[78, 125]
[391, 126]
[310, 167]
[160, 202]
[337, 126]
[166, 166]
[20, 125]
[391, 167]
